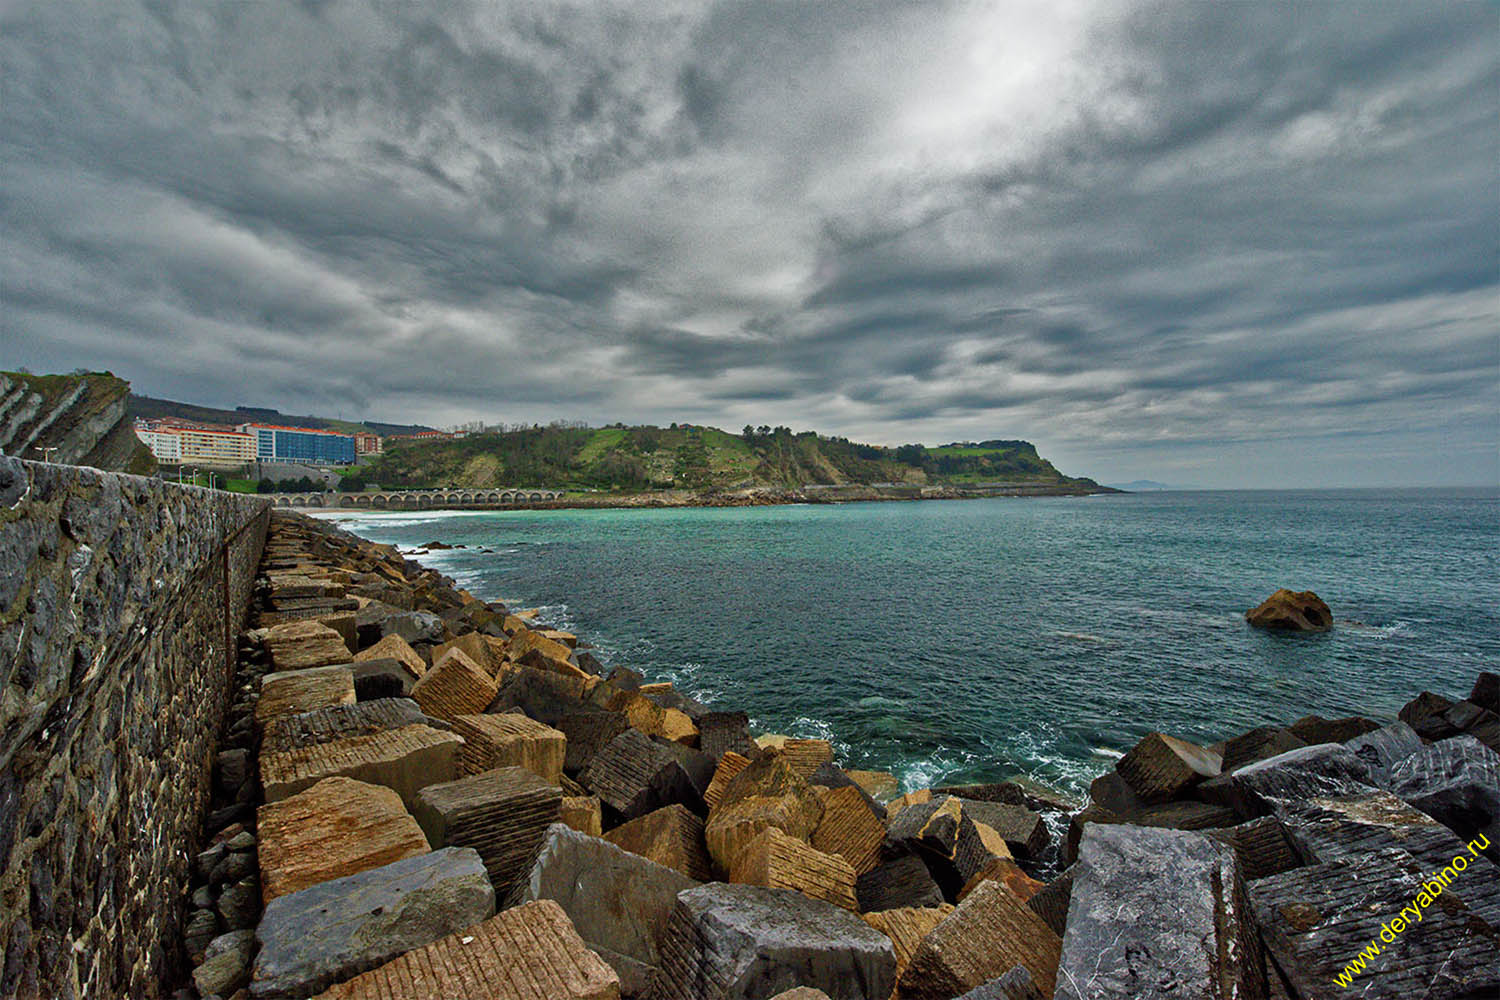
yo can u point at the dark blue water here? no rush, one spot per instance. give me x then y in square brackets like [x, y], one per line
[989, 638]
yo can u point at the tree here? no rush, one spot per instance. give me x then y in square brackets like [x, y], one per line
[748, 432]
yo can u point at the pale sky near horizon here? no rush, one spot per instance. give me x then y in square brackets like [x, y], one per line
[1219, 244]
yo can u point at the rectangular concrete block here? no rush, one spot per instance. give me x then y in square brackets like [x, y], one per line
[335, 828]
[294, 691]
[503, 814]
[779, 861]
[988, 934]
[337, 722]
[455, 686]
[1162, 767]
[394, 647]
[299, 645]
[404, 759]
[731, 763]
[906, 927]
[511, 740]
[530, 952]
[671, 836]
[582, 813]
[634, 775]
[848, 828]
[588, 730]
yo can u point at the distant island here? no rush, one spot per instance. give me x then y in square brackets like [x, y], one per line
[616, 465]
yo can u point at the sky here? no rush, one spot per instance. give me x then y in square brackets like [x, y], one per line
[1231, 245]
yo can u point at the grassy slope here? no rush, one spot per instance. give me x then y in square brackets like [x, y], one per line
[639, 458]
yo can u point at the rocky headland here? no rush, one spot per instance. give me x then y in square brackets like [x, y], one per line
[422, 794]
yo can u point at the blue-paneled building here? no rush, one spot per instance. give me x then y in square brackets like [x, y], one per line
[301, 444]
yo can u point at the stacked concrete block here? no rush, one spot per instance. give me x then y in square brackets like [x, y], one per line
[510, 740]
[671, 836]
[294, 691]
[778, 861]
[503, 814]
[455, 686]
[404, 759]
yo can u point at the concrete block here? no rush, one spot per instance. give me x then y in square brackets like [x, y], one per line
[492, 741]
[503, 814]
[404, 759]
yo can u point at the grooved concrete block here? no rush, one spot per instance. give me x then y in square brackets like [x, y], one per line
[989, 933]
[492, 741]
[633, 775]
[1157, 915]
[1261, 846]
[588, 730]
[1051, 901]
[1325, 770]
[805, 756]
[530, 952]
[1456, 782]
[337, 722]
[475, 647]
[730, 764]
[618, 901]
[1162, 767]
[404, 759]
[1384, 748]
[1022, 830]
[930, 826]
[764, 795]
[335, 828]
[643, 714]
[503, 814]
[778, 861]
[1317, 920]
[378, 679]
[1259, 744]
[906, 927]
[720, 732]
[337, 929]
[455, 686]
[300, 645]
[882, 786]
[900, 882]
[295, 691]
[671, 836]
[1016, 984]
[526, 640]
[394, 647]
[737, 942]
[848, 828]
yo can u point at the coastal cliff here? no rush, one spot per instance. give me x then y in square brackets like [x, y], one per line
[78, 419]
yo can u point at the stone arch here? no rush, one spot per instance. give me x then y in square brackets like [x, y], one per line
[283, 501]
[492, 498]
[361, 501]
[379, 500]
[299, 501]
[536, 496]
[346, 501]
[425, 500]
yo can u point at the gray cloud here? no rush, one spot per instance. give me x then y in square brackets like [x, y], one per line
[1221, 243]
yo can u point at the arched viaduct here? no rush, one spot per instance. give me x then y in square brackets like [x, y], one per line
[414, 499]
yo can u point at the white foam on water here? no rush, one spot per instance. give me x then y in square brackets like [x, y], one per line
[1106, 752]
[1083, 637]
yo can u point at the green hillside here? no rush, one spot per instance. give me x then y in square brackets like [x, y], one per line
[694, 457]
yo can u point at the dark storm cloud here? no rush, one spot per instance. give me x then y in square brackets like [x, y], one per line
[1116, 230]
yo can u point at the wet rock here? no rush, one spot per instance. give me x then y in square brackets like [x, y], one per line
[492, 741]
[1317, 920]
[619, 902]
[339, 928]
[740, 941]
[1162, 767]
[1486, 693]
[671, 836]
[336, 828]
[1293, 611]
[524, 953]
[989, 933]
[1456, 782]
[1426, 714]
[1157, 914]
[226, 964]
[503, 814]
[634, 775]
[1328, 769]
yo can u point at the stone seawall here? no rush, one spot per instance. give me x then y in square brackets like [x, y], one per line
[120, 598]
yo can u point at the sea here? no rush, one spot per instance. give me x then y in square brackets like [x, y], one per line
[980, 640]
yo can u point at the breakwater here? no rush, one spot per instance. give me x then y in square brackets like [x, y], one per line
[119, 601]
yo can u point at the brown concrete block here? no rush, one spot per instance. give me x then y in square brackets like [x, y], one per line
[529, 952]
[455, 686]
[805, 756]
[778, 861]
[582, 813]
[335, 828]
[848, 828]
[395, 648]
[1162, 767]
[670, 836]
[882, 786]
[403, 759]
[766, 794]
[302, 644]
[510, 740]
[989, 933]
[338, 722]
[525, 641]
[634, 775]
[292, 692]
[503, 814]
[730, 764]
[475, 647]
[906, 927]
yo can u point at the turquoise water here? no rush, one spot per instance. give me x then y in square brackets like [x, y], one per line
[955, 640]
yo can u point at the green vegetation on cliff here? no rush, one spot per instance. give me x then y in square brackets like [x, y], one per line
[694, 457]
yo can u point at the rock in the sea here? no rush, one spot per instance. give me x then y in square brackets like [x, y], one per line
[738, 942]
[634, 775]
[503, 814]
[1314, 729]
[1162, 767]
[767, 793]
[524, 953]
[779, 861]
[882, 786]
[1486, 693]
[1295, 611]
[455, 686]
[404, 759]
[1427, 714]
[1329, 927]
[1157, 915]
[671, 836]
[492, 741]
[334, 930]
[291, 692]
[1456, 782]
[337, 827]
[989, 933]
[902, 881]
[619, 902]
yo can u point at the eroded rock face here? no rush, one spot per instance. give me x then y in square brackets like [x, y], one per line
[337, 929]
[1293, 611]
[737, 942]
[1157, 915]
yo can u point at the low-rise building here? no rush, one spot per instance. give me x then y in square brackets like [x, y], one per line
[366, 443]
